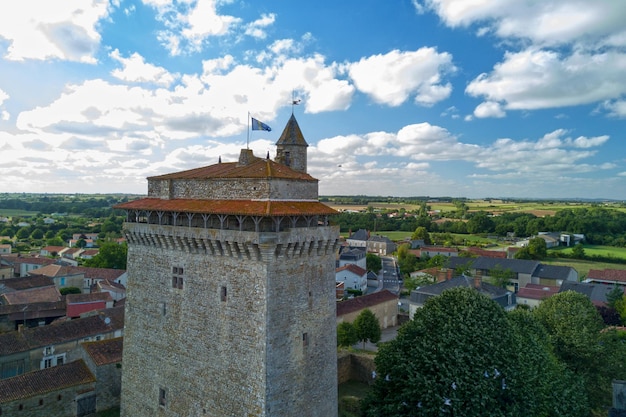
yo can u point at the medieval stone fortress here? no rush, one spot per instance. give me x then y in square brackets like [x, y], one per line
[230, 307]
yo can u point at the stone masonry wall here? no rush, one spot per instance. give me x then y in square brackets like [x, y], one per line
[233, 188]
[229, 343]
[59, 403]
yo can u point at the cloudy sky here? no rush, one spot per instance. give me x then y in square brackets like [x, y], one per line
[463, 98]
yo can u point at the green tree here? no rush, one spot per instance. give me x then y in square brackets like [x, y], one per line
[578, 252]
[37, 234]
[574, 326]
[367, 327]
[55, 241]
[23, 233]
[537, 248]
[422, 233]
[412, 282]
[110, 255]
[69, 290]
[614, 296]
[346, 334]
[373, 262]
[469, 366]
[501, 277]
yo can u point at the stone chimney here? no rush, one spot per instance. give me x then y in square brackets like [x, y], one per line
[246, 157]
[478, 279]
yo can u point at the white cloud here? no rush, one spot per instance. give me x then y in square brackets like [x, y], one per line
[135, 69]
[189, 23]
[548, 22]
[616, 108]
[52, 29]
[489, 109]
[536, 79]
[256, 29]
[393, 77]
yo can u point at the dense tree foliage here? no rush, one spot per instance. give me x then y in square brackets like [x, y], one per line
[422, 233]
[346, 334]
[373, 262]
[581, 342]
[111, 255]
[367, 327]
[461, 355]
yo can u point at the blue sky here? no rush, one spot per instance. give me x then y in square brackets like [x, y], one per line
[462, 98]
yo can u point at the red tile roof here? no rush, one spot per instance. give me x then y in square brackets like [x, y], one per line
[537, 292]
[258, 168]
[104, 352]
[364, 301]
[33, 295]
[236, 207]
[355, 269]
[617, 275]
[44, 381]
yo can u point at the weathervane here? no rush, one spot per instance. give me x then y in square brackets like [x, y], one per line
[294, 102]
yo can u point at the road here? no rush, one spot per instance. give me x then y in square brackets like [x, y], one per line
[390, 274]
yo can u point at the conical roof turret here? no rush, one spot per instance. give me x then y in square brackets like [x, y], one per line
[292, 135]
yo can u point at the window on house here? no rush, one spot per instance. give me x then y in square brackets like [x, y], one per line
[223, 293]
[162, 397]
[60, 360]
[47, 363]
[48, 350]
[177, 277]
[288, 159]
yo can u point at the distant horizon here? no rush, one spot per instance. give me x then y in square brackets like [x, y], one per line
[411, 97]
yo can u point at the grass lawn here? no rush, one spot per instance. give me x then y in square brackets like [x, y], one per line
[600, 250]
[350, 394]
[582, 266]
[17, 213]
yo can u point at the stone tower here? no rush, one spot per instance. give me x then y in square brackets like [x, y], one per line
[230, 308]
[291, 146]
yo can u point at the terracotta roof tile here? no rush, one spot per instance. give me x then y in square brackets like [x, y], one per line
[12, 342]
[45, 380]
[23, 283]
[258, 168]
[365, 301]
[236, 207]
[104, 352]
[33, 295]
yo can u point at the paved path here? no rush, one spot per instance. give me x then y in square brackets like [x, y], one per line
[386, 335]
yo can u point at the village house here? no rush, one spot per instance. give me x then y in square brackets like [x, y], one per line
[606, 277]
[104, 360]
[354, 256]
[384, 305]
[523, 272]
[47, 346]
[61, 391]
[353, 276]
[533, 294]
[419, 296]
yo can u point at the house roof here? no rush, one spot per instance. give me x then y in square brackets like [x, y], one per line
[32, 308]
[596, 292]
[438, 249]
[537, 292]
[461, 281]
[45, 380]
[53, 248]
[292, 135]
[104, 352]
[101, 273]
[24, 283]
[520, 266]
[106, 285]
[12, 342]
[32, 260]
[614, 275]
[54, 271]
[77, 329]
[352, 254]
[355, 269]
[379, 238]
[33, 295]
[553, 272]
[486, 253]
[364, 301]
[88, 298]
[235, 207]
[360, 234]
[257, 168]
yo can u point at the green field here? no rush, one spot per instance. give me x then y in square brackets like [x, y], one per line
[582, 266]
[591, 250]
[17, 213]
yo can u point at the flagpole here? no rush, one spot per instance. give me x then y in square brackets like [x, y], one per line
[248, 137]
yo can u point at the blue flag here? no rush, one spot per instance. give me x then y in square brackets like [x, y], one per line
[256, 125]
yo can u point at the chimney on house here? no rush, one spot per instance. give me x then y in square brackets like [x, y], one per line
[478, 279]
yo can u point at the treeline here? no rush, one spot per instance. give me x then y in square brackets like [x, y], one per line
[88, 206]
[601, 226]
